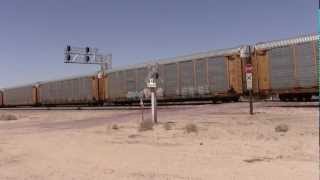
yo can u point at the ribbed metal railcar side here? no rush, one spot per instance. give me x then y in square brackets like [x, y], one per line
[117, 87]
[19, 96]
[68, 91]
[201, 75]
[187, 81]
[281, 67]
[171, 86]
[306, 66]
[126, 85]
[287, 67]
[218, 76]
[201, 78]
[198, 78]
[131, 83]
[142, 74]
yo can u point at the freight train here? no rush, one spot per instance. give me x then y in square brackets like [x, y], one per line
[287, 68]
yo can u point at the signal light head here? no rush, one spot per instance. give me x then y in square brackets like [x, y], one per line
[87, 58]
[68, 58]
[68, 48]
[156, 75]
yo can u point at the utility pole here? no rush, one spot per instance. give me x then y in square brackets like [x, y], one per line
[245, 54]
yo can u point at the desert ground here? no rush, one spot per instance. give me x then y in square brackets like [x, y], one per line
[106, 144]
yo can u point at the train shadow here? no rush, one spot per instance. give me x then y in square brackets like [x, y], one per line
[295, 105]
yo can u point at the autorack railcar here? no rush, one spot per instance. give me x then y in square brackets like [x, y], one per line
[74, 90]
[287, 68]
[210, 75]
[20, 96]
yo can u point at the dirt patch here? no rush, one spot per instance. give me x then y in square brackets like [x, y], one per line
[146, 125]
[167, 126]
[83, 145]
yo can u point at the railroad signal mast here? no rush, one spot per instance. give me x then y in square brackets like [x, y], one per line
[87, 55]
[245, 54]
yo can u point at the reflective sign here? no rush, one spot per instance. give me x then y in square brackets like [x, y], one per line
[249, 80]
[249, 68]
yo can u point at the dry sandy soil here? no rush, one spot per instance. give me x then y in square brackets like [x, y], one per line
[229, 144]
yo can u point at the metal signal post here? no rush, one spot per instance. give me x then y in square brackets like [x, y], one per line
[245, 54]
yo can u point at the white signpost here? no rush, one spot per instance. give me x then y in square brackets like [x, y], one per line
[153, 88]
[249, 76]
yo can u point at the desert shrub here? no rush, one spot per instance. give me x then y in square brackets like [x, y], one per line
[145, 125]
[281, 128]
[133, 136]
[8, 117]
[114, 127]
[191, 128]
[167, 126]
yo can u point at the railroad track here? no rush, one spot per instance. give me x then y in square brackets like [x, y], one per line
[110, 107]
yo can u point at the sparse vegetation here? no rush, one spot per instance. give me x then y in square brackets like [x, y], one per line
[258, 159]
[191, 128]
[115, 127]
[145, 125]
[8, 117]
[167, 126]
[133, 136]
[282, 128]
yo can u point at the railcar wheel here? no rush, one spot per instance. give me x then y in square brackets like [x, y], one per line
[289, 99]
[235, 99]
[293, 99]
[307, 98]
[282, 98]
[215, 100]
